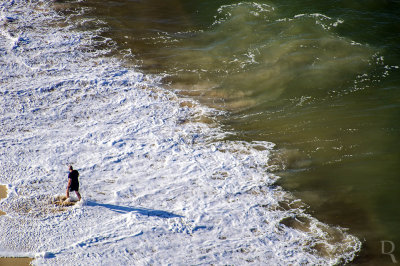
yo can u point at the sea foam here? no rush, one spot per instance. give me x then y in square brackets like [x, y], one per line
[158, 185]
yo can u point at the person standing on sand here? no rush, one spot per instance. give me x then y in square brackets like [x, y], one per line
[73, 182]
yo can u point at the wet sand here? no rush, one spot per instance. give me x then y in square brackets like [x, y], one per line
[3, 194]
[3, 191]
[15, 261]
[11, 261]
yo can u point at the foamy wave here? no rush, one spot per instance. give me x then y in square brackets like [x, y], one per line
[226, 12]
[155, 179]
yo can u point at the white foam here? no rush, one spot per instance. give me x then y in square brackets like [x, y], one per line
[320, 19]
[226, 12]
[154, 181]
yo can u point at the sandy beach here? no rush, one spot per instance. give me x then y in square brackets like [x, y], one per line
[3, 194]
[15, 261]
[3, 191]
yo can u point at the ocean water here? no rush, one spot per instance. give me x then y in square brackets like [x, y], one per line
[320, 79]
[223, 132]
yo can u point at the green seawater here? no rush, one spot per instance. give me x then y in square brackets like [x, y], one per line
[320, 79]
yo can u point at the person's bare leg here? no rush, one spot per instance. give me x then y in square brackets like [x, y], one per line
[67, 193]
[78, 195]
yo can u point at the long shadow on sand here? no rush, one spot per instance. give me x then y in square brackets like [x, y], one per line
[142, 211]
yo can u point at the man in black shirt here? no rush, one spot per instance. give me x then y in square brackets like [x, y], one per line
[73, 182]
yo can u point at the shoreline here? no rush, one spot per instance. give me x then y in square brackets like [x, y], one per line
[170, 185]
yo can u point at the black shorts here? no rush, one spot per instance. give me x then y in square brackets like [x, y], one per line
[74, 188]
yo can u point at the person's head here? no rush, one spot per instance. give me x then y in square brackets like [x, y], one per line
[71, 168]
